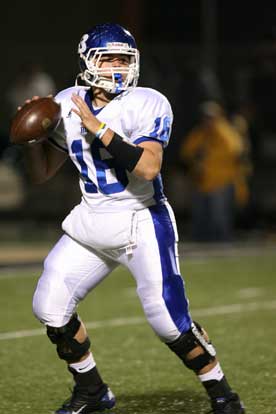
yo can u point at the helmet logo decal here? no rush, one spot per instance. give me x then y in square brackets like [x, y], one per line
[82, 45]
[117, 45]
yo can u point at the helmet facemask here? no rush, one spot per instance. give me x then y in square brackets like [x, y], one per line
[120, 78]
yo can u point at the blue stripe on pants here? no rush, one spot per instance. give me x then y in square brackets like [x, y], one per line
[173, 284]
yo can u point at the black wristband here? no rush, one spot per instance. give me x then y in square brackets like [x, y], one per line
[126, 155]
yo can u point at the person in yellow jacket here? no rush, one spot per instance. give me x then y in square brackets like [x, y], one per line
[215, 153]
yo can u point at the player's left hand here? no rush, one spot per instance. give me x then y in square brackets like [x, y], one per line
[89, 121]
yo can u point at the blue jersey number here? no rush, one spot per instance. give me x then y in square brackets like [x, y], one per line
[165, 125]
[101, 167]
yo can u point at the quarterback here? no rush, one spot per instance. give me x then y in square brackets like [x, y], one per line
[115, 133]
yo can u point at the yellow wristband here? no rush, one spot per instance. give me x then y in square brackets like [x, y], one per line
[101, 131]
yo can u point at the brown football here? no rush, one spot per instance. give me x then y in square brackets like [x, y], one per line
[35, 120]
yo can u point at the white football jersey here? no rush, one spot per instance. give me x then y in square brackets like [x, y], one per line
[138, 115]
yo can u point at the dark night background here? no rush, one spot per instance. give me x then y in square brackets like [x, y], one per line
[232, 45]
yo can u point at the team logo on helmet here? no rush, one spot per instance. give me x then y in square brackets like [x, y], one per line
[82, 45]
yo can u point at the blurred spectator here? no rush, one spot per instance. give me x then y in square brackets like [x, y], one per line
[244, 166]
[214, 154]
[31, 80]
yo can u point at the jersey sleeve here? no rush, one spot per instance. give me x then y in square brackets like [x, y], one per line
[58, 136]
[154, 119]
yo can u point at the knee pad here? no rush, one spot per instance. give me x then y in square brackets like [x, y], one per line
[189, 341]
[68, 348]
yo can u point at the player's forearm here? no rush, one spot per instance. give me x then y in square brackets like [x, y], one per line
[148, 166]
[35, 161]
[42, 161]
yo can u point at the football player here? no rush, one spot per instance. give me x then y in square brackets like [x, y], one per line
[115, 134]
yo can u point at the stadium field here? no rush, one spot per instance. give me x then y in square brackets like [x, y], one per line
[233, 297]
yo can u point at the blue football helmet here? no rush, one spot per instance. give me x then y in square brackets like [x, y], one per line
[106, 39]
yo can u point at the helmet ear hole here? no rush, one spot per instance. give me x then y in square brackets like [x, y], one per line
[103, 40]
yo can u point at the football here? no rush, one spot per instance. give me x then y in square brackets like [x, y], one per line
[35, 120]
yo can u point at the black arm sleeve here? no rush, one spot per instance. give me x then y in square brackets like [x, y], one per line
[126, 155]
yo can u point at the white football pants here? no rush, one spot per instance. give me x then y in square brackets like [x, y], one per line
[72, 270]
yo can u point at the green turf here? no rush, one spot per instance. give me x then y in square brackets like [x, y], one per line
[143, 374]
